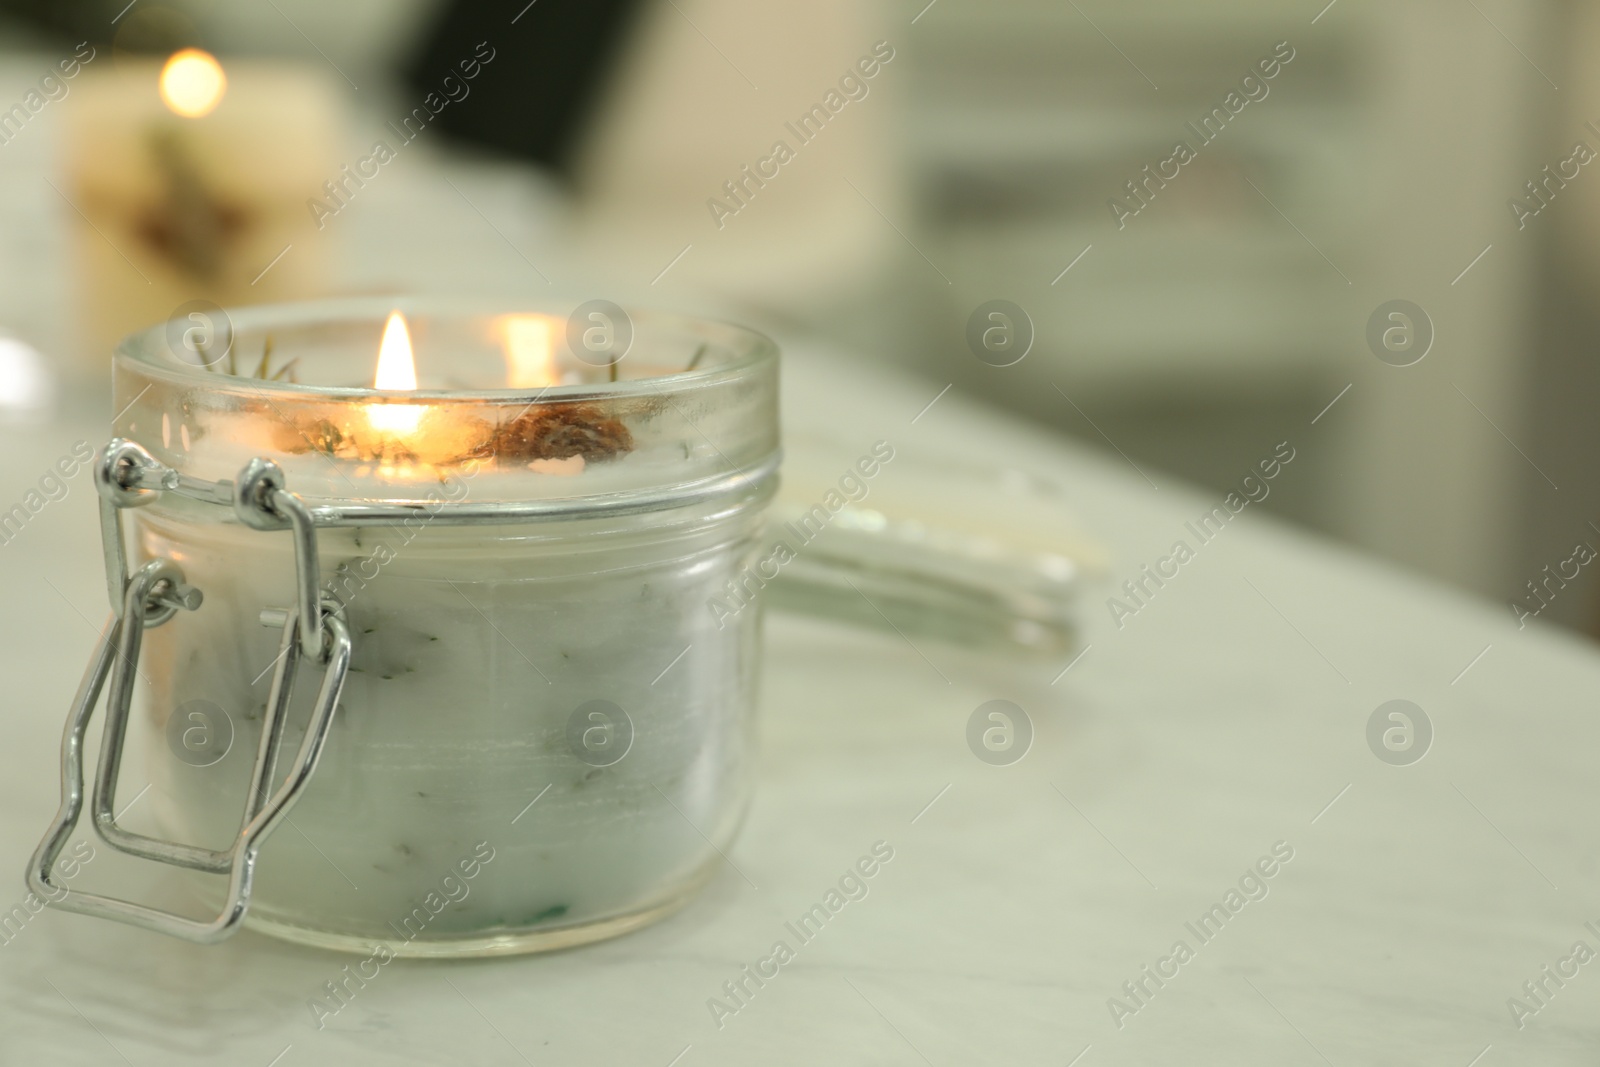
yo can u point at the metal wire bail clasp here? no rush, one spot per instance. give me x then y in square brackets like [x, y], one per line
[261, 501]
[127, 476]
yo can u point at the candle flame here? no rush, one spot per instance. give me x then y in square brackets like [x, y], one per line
[530, 360]
[192, 83]
[397, 369]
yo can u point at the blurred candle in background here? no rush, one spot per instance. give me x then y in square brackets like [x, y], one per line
[191, 181]
[192, 83]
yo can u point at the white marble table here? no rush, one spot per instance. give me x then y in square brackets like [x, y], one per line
[1228, 715]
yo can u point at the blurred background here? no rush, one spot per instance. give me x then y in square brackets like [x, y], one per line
[1189, 310]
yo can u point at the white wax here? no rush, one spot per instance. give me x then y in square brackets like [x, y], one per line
[472, 649]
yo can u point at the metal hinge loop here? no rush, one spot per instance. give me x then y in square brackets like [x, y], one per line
[267, 805]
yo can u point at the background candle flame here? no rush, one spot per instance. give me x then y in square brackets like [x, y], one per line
[192, 83]
[397, 369]
[530, 362]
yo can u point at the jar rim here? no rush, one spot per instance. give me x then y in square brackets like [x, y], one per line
[151, 350]
[644, 442]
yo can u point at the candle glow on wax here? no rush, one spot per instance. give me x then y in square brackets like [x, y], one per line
[396, 370]
[192, 83]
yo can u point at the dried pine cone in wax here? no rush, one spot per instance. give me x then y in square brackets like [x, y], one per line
[561, 431]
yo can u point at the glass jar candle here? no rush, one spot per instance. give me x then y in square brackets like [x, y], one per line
[544, 735]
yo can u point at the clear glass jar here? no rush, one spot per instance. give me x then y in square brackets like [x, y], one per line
[545, 737]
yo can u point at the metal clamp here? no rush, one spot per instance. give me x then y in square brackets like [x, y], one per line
[127, 476]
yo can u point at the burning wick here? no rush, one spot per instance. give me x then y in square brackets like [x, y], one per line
[192, 83]
[396, 370]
